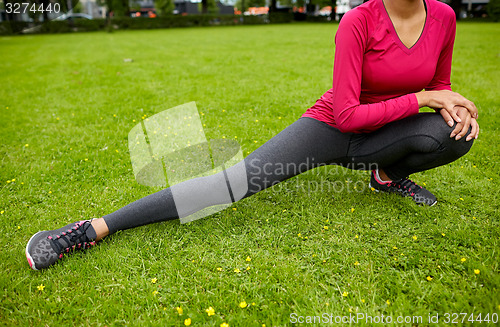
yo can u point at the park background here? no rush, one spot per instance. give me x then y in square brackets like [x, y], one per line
[67, 103]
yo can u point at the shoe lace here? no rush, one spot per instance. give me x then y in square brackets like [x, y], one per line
[74, 238]
[408, 185]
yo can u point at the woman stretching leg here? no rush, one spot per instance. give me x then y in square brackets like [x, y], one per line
[372, 121]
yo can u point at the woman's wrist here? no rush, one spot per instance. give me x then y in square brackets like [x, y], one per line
[422, 98]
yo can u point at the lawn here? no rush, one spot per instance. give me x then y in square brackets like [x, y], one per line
[67, 104]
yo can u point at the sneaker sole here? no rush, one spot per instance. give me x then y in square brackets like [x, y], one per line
[374, 189]
[28, 256]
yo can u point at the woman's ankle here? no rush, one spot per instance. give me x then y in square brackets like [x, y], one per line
[100, 227]
[383, 176]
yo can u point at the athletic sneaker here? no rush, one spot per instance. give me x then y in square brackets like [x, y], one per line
[403, 187]
[46, 247]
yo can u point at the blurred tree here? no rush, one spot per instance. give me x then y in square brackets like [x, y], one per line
[250, 3]
[120, 8]
[494, 10]
[456, 5]
[164, 7]
[209, 6]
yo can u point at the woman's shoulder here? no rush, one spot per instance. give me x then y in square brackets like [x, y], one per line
[441, 12]
[364, 15]
[366, 11]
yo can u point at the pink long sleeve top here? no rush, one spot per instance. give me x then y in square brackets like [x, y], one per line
[376, 76]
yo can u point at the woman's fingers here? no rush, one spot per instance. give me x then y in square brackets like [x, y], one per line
[465, 128]
[447, 118]
[474, 130]
[452, 110]
[470, 106]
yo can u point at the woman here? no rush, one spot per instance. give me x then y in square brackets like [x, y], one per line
[387, 51]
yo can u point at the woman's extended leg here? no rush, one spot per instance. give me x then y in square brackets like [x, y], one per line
[410, 145]
[305, 144]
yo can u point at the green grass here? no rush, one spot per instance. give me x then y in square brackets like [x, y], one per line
[67, 103]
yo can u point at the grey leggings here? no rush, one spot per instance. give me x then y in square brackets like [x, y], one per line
[401, 148]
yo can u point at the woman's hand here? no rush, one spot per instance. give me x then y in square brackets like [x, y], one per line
[449, 101]
[463, 127]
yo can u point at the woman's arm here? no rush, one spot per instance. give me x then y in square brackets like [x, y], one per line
[438, 94]
[350, 115]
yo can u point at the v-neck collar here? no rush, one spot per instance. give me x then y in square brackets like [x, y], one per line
[395, 35]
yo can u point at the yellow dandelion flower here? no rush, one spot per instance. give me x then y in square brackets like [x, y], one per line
[462, 260]
[443, 234]
[13, 179]
[327, 304]
[362, 300]
[18, 227]
[210, 311]
[237, 271]
[324, 261]
[352, 209]
[224, 324]
[254, 141]
[395, 247]
[473, 166]
[388, 302]
[57, 118]
[344, 294]
[8, 181]
[179, 310]
[476, 271]
[50, 192]
[1, 212]
[474, 218]
[26, 145]
[429, 278]
[234, 209]
[372, 188]
[299, 234]
[356, 236]
[154, 280]
[462, 199]
[243, 304]
[187, 322]
[219, 268]
[40, 287]
[86, 159]
[350, 309]
[356, 263]
[253, 303]
[256, 120]
[248, 268]
[155, 293]
[248, 259]
[325, 227]
[414, 237]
